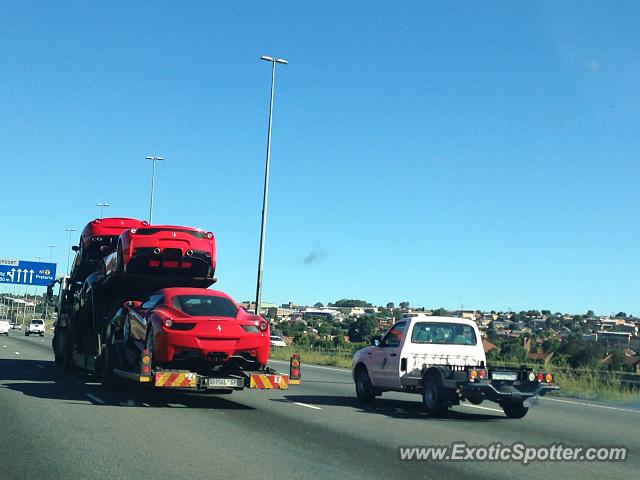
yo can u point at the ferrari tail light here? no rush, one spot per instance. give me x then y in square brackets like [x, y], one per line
[168, 322]
[134, 231]
[263, 326]
[209, 235]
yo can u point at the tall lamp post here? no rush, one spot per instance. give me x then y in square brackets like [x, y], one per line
[51, 247]
[102, 205]
[70, 230]
[273, 61]
[153, 184]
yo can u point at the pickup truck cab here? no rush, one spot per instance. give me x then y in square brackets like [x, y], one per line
[442, 359]
[36, 327]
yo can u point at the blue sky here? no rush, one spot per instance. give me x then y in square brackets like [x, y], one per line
[483, 154]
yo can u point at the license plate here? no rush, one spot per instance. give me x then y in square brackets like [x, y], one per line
[223, 382]
[504, 376]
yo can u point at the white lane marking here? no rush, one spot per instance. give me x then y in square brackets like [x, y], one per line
[176, 405]
[39, 366]
[590, 405]
[481, 408]
[306, 365]
[145, 404]
[95, 399]
[4, 346]
[17, 353]
[308, 406]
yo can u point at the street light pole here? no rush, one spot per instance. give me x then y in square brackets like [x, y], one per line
[51, 247]
[273, 61]
[70, 230]
[102, 205]
[153, 183]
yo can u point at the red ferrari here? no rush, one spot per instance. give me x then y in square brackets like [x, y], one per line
[104, 232]
[165, 249]
[195, 328]
[97, 240]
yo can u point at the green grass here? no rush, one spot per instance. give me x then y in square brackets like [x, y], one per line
[313, 357]
[576, 384]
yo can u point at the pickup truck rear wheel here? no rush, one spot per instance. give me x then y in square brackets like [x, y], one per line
[433, 396]
[364, 388]
[514, 409]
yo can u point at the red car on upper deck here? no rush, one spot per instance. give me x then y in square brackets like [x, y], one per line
[97, 240]
[104, 232]
[164, 249]
[194, 328]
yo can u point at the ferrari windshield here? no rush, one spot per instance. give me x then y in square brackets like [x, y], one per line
[205, 306]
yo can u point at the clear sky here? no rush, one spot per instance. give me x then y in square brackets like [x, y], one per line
[482, 153]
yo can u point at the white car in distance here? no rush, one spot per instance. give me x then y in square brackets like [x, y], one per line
[4, 327]
[277, 341]
[36, 327]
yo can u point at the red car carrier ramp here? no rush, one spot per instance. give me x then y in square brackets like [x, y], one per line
[263, 381]
[176, 379]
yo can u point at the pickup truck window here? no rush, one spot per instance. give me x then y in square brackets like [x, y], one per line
[443, 334]
[393, 336]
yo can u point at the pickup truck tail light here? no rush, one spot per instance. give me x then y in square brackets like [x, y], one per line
[477, 374]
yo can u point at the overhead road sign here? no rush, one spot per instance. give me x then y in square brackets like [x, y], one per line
[21, 272]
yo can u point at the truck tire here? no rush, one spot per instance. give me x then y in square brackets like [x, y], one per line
[119, 259]
[433, 396]
[514, 409]
[65, 350]
[109, 380]
[364, 387]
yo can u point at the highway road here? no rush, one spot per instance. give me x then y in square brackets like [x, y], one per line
[63, 425]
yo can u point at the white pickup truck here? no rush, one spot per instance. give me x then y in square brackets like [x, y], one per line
[442, 358]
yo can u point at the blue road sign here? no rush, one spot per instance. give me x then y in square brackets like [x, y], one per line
[21, 272]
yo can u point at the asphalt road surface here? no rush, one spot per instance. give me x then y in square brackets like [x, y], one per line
[63, 425]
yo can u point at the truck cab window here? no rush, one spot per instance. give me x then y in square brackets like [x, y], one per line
[393, 336]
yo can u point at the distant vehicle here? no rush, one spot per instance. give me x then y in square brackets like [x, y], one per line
[442, 359]
[277, 341]
[4, 327]
[164, 250]
[36, 327]
[16, 326]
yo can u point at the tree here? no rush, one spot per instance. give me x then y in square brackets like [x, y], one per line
[318, 305]
[590, 314]
[441, 312]
[351, 303]
[621, 315]
[390, 306]
[404, 304]
[513, 351]
[362, 329]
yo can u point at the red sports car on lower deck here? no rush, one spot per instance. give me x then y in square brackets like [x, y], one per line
[165, 249]
[195, 328]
